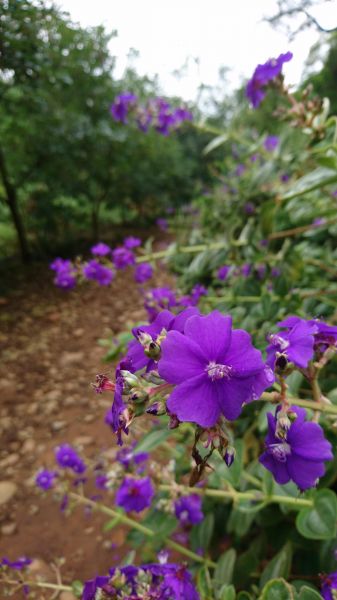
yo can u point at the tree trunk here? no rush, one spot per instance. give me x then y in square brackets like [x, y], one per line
[11, 199]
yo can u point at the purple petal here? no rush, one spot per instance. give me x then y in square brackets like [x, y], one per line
[195, 400]
[308, 441]
[181, 358]
[278, 469]
[304, 472]
[212, 333]
[233, 393]
[241, 355]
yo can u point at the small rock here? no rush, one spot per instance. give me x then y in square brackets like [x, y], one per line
[28, 446]
[57, 425]
[53, 395]
[78, 332]
[67, 596]
[7, 491]
[83, 440]
[10, 460]
[71, 358]
[89, 418]
[8, 528]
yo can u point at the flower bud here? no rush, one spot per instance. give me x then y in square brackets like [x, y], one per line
[281, 363]
[292, 416]
[229, 455]
[174, 422]
[131, 379]
[152, 350]
[139, 395]
[157, 409]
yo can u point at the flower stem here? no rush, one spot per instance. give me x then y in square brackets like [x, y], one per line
[141, 528]
[180, 250]
[322, 407]
[235, 495]
[41, 584]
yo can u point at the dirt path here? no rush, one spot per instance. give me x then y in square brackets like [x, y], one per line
[50, 356]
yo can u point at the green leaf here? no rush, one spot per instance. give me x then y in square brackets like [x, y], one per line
[218, 141]
[319, 522]
[279, 566]
[312, 181]
[243, 596]
[202, 533]
[204, 583]
[77, 587]
[227, 592]
[111, 524]
[224, 568]
[277, 589]
[307, 593]
[152, 440]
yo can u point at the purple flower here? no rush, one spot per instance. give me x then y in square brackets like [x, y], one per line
[100, 249]
[319, 221]
[246, 269]
[65, 277]
[223, 272]
[97, 272]
[275, 272]
[181, 114]
[123, 257]
[240, 169]
[329, 583]
[261, 271]
[188, 509]
[101, 482]
[45, 479]
[179, 584]
[127, 457]
[143, 272]
[249, 208]
[91, 586]
[271, 142]
[131, 242]
[18, 564]
[158, 299]
[116, 417]
[121, 106]
[284, 177]
[197, 291]
[216, 370]
[299, 455]
[264, 243]
[296, 344]
[148, 334]
[162, 224]
[324, 335]
[135, 494]
[263, 74]
[67, 457]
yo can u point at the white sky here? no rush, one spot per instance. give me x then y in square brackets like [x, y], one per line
[218, 32]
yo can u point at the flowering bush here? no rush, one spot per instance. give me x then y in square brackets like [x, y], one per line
[232, 380]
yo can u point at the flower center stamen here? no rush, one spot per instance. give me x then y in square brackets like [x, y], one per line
[280, 451]
[277, 340]
[216, 371]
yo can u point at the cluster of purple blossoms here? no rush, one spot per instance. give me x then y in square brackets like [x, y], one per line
[135, 494]
[67, 457]
[162, 224]
[128, 458]
[156, 113]
[100, 249]
[271, 143]
[263, 75]
[299, 454]
[95, 271]
[123, 257]
[167, 581]
[18, 564]
[65, 274]
[215, 370]
[329, 586]
[223, 272]
[122, 105]
[188, 510]
[300, 340]
[132, 242]
[45, 479]
[143, 272]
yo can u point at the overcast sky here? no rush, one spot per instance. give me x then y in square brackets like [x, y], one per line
[217, 32]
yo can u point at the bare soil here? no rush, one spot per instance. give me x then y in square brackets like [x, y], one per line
[50, 355]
